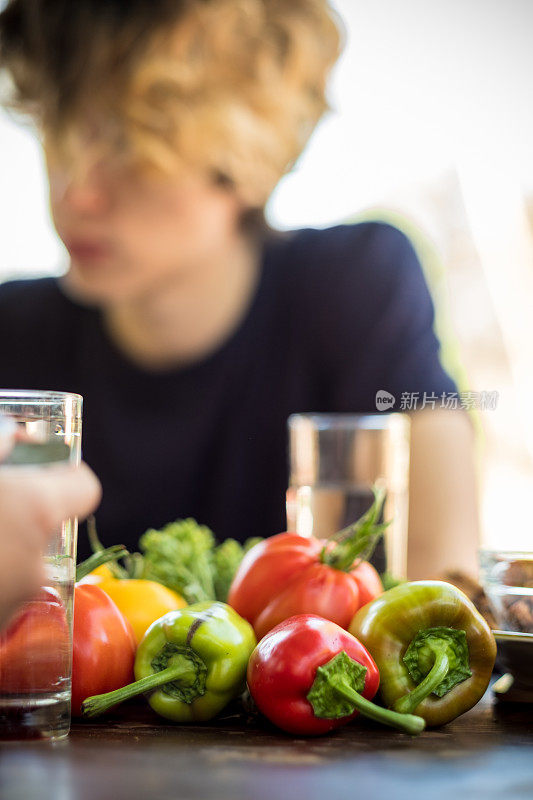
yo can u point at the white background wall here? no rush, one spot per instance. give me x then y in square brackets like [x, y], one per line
[423, 84]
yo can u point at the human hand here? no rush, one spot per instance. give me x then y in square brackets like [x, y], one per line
[33, 503]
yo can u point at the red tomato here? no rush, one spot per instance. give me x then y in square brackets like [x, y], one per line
[268, 568]
[368, 582]
[284, 575]
[316, 589]
[34, 651]
[103, 646]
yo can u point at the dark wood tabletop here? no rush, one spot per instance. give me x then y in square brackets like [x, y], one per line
[486, 753]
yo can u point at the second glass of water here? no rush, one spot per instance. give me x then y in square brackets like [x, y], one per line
[335, 459]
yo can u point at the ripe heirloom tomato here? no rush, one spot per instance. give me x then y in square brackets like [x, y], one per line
[290, 574]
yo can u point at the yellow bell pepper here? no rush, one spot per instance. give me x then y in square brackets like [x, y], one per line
[98, 575]
[141, 601]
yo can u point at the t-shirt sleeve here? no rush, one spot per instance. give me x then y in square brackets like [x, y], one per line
[376, 329]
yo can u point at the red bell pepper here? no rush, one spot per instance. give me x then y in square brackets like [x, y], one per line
[309, 676]
[103, 646]
[35, 649]
[291, 574]
[103, 641]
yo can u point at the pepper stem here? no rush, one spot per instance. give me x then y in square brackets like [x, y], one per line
[96, 705]
[97, 547]
[183, 679]
[99, 558]
[336, 693]
[408, 723]
[356, 543]
[437, 660]
[409, 702]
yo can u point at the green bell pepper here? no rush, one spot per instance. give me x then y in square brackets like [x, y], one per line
[191, 663]
[434, 650]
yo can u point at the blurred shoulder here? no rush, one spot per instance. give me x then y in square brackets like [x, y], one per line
[358, 254]
[28, 300]
[29, 290]
[349, 235]
[34, 316]
[38, 333]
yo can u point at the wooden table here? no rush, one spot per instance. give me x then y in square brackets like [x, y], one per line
[487, 753]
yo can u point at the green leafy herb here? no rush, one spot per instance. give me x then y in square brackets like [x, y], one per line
[226, 558]
[180, 556]
[186, 557]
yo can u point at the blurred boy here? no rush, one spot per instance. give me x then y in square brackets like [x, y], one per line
[190, 328]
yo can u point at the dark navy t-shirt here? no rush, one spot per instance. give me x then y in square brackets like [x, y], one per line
[337, 315]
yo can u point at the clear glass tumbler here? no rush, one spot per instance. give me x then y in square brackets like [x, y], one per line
[36, 647]
[334, 459]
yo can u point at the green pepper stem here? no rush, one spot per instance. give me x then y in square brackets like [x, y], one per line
[403, 722]
[357, 542]
[409, 702]
[99, 558]
[96, 705]
[97, 547]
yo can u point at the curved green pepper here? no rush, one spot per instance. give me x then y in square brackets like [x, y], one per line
[192, 662]
[434, 650]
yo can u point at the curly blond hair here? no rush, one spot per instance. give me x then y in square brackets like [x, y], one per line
[233, 87]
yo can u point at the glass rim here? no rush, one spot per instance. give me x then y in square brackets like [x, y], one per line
[37, 395]
[494, 551]
[369, 421]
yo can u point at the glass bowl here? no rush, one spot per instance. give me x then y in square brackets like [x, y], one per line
[507, 579]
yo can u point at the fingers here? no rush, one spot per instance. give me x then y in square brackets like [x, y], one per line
[70, 492]
[34, 502]
[22, 574]
[41, 498]
[83, 492]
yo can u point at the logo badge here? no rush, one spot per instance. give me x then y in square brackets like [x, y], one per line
[384, 400]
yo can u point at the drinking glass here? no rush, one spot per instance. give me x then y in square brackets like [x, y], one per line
[334, 460]
[36, 647]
